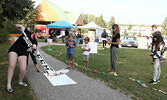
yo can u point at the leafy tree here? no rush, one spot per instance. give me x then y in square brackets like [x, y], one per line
[85, 18]
[125, 33]
[102, 22]
[16, 9]
[139, 35]
[12, 12]
[164, 26]
[98, 20]
[28, 21]
[88, 18]
[111, 23]
[130, 27]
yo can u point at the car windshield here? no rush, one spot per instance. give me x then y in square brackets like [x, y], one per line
[130, 38]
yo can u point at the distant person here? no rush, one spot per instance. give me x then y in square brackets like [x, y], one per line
[79, 37]
[66, 34]
[104, 36]
[97, 39]
[114, 49]
[70, 44]
[157, 45]
[52, 34]
[86, 49]
[18, 52]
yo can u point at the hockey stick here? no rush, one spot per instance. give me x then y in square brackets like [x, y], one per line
[48, 69]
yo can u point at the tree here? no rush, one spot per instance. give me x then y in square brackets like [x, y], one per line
[16, 9]
[88, 18]
[164, 26]
[85, 18]
[12, 12]
[125, 33]
[28, 21]
[102, 22]
[98, 20]
[111, 23]
[130, 27]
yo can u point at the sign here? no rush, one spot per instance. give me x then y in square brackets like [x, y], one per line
[93, 47]
[60, 80]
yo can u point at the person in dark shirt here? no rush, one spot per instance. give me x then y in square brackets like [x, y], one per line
[114, 48]
[104, 36]
[52, 34]
[66, 34]
[33, 57]
[18, 52]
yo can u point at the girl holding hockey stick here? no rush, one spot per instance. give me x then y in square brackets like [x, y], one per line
[157, 46]
[18, 52]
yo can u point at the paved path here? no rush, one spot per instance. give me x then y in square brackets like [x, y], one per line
[86, 88]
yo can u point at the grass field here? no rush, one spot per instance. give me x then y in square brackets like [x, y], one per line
[21, 93]
[132, 63]
[43, 40]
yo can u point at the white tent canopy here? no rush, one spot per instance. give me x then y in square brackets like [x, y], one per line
[92, 25]
[98, 31]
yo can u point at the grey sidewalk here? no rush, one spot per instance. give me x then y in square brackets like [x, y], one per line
[86, 88]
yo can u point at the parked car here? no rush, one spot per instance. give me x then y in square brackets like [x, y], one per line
[129, 41]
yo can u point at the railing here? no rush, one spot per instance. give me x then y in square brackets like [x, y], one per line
[13, 35]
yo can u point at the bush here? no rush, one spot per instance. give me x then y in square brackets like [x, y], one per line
[3, 36]
[6, 29]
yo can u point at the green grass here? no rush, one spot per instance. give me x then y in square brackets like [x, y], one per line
[132, 63]
[43, 40]
[21, 93]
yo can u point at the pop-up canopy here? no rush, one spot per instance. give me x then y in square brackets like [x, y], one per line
[60, 24]
[90, 25]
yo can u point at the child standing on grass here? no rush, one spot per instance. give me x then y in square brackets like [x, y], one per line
[86, 49]
[157, 46]
[70, 44]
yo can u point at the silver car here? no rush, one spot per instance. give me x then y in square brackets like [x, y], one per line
[129, 41]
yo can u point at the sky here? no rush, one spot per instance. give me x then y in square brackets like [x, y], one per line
[146, 12]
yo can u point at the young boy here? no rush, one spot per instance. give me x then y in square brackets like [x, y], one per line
[86, 49]
[70, 44]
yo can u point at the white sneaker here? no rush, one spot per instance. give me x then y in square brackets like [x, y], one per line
[23, 84]
[153, 82]
[9, 89]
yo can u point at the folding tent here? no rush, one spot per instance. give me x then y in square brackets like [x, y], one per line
[98, 30]
[60, 24]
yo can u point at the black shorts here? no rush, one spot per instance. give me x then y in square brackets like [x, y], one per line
[18, 52]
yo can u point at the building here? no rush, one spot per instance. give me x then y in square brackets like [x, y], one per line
[143, 31]
[48, 12]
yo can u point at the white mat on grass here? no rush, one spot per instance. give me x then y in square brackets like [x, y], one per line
[60, 80]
